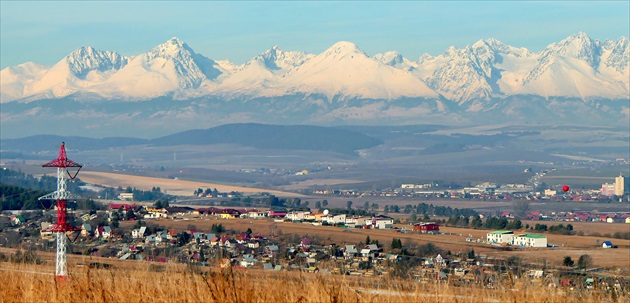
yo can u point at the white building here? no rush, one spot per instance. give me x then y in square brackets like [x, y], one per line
[340, 219]
[530, 240]
[550, 192]
[256, 214]
[500, 236]
[297, 215]
[608, 189]
[383, 223]
[619, 186]
[138, 233]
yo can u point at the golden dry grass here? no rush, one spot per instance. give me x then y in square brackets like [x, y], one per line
[26, 283]
[171, 186]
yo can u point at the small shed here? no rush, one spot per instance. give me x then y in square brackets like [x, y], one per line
[607, 244]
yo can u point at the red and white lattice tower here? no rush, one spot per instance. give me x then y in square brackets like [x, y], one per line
[61, 195]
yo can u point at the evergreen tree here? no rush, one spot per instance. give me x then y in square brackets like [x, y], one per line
[568, 261]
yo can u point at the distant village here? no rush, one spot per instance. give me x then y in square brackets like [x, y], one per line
[616, 191]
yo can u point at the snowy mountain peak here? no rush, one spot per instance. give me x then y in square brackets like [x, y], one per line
[277, 59]
[343, 48]
[579, 46]
[172, 48]
[395, 59]
[619, 55]
[389, 58]
[85, 59]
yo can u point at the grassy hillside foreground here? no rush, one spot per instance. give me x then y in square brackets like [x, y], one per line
[32, 283]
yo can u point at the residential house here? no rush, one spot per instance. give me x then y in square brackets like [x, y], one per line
[103, 232]
[229, 213]
[209, 237]
[86, 229]
[370, 250]
[171, 234]
[154, 213]
[161, 237]
[126, 196]
[256, 214]
[178, 210]
[271, 250]
[350, 252]
[328, 219]
[317, 217]
[139, 232]
[297, 215]
[248, 260]
[427, 227]
[226, 242]
[151, 239]
[45, 231]
[277, 214]
[607, 244]
[198, 236]
[16, 220]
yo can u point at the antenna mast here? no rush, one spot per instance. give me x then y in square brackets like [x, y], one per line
[62, 195]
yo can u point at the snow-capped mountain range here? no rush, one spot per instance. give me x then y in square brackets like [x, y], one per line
[576, 78]
[577, 66]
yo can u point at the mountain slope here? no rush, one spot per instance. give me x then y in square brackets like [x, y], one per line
[254, 76]
[292, 137]
[346, 72]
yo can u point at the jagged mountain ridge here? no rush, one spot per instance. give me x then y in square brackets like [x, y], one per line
[577, 66]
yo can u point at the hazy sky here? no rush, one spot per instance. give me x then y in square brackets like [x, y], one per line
[45, 32]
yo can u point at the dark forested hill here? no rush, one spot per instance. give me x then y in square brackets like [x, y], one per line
[264, 136]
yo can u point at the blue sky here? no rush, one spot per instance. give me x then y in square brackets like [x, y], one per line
[44, 32]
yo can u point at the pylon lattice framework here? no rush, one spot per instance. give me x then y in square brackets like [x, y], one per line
[61, 195]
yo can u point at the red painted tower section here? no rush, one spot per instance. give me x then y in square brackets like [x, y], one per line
[62, 162]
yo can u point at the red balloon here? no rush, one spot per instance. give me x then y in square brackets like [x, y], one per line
[565, 188]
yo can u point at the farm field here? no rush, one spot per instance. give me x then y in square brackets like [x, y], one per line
[170, 186]
[572, 246]
[587, 227]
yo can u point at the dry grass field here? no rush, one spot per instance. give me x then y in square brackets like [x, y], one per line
[573, 246]
[588, 228]
[171, 186]
[35, 283]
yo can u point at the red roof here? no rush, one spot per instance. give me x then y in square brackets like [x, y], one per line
[124, 207]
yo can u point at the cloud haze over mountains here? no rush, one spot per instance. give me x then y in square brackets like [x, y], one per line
[577, 78]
